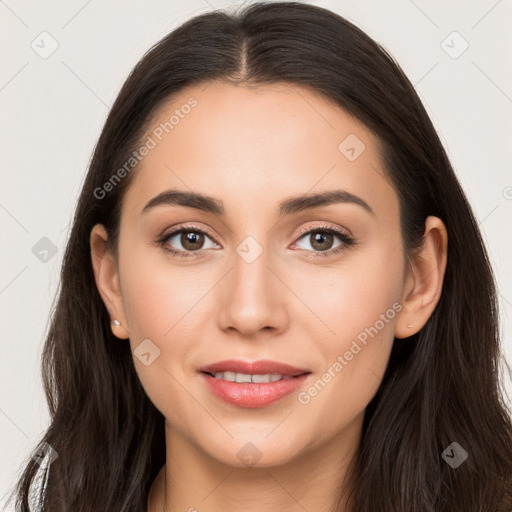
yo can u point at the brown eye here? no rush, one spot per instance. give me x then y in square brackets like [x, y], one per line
[321, 241]
[191, 240]
[186, 241]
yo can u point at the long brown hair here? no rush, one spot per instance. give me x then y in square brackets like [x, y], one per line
[441, 386]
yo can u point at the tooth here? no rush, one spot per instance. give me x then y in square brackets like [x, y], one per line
[246, 378]
[261, 378]
[243, 377]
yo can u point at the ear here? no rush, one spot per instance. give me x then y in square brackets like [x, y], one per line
[106, 276]
[424, 280]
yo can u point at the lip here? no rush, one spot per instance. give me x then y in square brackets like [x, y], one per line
[253, 395]
[261, 367]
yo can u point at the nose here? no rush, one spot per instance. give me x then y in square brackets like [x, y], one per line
[252, 297]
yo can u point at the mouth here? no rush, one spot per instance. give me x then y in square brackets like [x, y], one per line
[234, 369]
[255, 384]
[248, 378]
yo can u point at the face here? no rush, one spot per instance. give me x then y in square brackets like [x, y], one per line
[263, 274]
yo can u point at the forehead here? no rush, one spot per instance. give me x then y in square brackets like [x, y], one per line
[251, 146]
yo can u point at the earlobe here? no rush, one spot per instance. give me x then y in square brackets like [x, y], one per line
[424, 282]
[107, 280]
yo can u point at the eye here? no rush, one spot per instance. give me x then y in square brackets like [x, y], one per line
[321, 240]
[188, 240]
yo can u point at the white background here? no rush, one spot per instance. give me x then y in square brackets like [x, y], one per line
[53, 110]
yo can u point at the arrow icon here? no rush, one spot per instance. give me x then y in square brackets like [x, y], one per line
[450, 456]
[249, 454]
[147, 352]
[351, 147]
[44, 250]
[44, 44]
[454, 45]
[454, 455]
[243, 249]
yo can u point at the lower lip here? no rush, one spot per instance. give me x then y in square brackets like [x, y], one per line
[253, 395]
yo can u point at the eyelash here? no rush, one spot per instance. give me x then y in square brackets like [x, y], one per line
[347, 241]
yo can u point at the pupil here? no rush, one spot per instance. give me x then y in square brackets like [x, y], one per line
[320, 238]
[191, 238]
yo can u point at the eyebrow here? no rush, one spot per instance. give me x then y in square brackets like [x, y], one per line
[287, 207]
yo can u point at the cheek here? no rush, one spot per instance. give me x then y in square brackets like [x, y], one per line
[156, 301]
[160, 296]
[159, 303]
[359, 303]
[353, 294]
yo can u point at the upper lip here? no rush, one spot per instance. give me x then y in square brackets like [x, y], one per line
[261, 367]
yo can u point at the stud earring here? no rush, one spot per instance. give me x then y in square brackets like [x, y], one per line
[409, 325]
[114, 324]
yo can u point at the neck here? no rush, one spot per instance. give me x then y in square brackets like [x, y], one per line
[193, 481]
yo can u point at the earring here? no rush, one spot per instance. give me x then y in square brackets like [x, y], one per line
[409, 326]
[122, 335]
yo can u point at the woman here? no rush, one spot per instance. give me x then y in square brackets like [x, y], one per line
[275, 295]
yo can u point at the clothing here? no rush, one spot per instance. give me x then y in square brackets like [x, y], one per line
[39, 482]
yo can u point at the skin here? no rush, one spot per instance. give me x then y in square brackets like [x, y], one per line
[252, 148]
